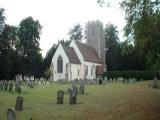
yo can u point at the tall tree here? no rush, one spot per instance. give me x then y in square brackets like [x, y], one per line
[2, 19]
[143, 27]
[76, 32]
[28, 46]
[48, 58]
[7, 51]
[129, 59]
[113, 55]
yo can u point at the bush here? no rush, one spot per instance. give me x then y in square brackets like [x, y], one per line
[145, 75]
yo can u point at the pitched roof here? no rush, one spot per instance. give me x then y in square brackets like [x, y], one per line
[73, 58]
[88, 52]
[99, 70]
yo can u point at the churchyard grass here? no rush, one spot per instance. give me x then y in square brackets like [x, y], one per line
[113, 101]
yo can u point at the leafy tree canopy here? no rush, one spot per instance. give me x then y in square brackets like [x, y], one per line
[76, 32]
[2, 19]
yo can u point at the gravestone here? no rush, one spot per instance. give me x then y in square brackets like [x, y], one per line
[11, 114]
[5, 85]
[1, 85]
[73, 97]
[69, 90]
[155, 83]
[75, 89]
[10, 86]
[81, 89]
[100, 81]
[19, 103]
[18, 87]
[31, 84]
[60, 97]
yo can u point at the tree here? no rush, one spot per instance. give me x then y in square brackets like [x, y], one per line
[129, 59]
[48, 58]
[113, 55]
[64, 42]
[7, 51]
[48, 73]
[2, 19]
[143, 27]
[28, 46]
[76, 32]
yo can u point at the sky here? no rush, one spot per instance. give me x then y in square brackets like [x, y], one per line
[58, 16]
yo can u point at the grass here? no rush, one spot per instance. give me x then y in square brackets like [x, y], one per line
[113, 101]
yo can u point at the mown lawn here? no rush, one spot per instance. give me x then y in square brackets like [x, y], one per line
[113, 101]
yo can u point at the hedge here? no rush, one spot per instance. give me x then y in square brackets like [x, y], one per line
[145, 75]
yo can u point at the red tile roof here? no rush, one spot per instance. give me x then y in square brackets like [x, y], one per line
[99, 70]
[71, 55]
[88, 52]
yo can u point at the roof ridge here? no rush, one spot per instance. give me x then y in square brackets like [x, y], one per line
[71, 54]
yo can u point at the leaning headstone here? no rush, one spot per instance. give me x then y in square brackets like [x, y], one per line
[19, 103]
[10, 86]
[73, 97]
[81, 89]
[11, 114]
[60, 97]
[100, 81]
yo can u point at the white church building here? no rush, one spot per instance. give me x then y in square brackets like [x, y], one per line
[78, 61]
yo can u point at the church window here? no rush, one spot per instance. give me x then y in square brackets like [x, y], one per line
[60, 65]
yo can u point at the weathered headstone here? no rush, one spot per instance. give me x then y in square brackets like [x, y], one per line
[155, 83]
[1, 85]
[100, 81]
[10, 86]
[60, 97]
[19, 103]
[18, 87]
[81, 89]
[73, 97]
[31, 84]
[69, 90]
[75, 89]
[11, 114]
[5, 85]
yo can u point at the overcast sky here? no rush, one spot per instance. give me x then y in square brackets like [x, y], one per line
[58, 16]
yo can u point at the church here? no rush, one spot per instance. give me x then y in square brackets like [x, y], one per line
[81, 60]
[78, 61]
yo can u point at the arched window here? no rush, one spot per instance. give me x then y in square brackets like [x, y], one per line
[60, 65]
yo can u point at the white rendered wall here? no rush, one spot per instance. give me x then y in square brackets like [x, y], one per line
[91, 65]
[74, 71]
[80, 56]
[59, 51]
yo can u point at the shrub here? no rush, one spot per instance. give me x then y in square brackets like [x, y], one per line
[145, 75]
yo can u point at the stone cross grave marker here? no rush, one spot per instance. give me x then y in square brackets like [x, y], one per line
[11, 114]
